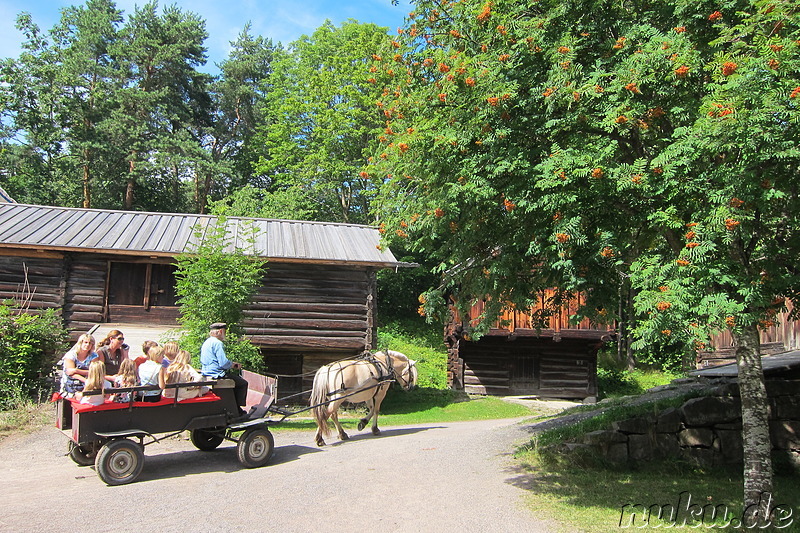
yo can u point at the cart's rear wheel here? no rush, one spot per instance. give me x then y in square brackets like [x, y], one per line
[82, 455]
[206, 440]
[255, 447]
[119, 461]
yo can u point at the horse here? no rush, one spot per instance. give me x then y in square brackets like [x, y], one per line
[365, 379]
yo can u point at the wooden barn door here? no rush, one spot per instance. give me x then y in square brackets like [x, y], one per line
[141, 293]
[524, 372]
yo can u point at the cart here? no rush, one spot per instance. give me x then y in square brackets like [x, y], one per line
[112, 436]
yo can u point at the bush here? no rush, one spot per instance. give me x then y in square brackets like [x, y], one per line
[422, 343]
[214, 285]
[28, 344]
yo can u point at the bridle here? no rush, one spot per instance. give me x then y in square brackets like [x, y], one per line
[407, 375]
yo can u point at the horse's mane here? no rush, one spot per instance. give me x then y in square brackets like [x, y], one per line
[393, 354]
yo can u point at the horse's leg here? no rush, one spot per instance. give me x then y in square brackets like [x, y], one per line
[335, 417]
[378, 400]
[318, 437]
[370, 410]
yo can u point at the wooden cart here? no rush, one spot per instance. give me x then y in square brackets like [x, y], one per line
[112, 436]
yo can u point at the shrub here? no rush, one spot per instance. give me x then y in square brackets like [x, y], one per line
[421, 343]
[213, 284]
[28, 344]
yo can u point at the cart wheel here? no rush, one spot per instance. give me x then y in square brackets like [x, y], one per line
[120, 461]
[82, 455]
[206, 440]
[255, 447]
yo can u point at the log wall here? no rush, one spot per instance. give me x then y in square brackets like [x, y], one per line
[33, 283]
[303, 316]
[535, 366]
[85, 292]
[313, 307]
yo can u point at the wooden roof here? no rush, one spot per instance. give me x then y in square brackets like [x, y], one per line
[167, 234]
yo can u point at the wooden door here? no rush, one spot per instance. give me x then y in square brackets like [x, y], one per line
[141, 293]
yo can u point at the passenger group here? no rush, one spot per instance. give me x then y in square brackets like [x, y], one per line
[111, 367]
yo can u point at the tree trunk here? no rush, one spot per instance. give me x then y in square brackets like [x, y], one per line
[129, 188]
[755, 424]
[87, 191]
[625, 325]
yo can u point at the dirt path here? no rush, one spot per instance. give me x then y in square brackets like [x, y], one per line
[436, 477]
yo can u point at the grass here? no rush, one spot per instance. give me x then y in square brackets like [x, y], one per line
[423, 406]
[614, 383]
[431, 401]
[25, 417]
[585, 494]
[592, 500]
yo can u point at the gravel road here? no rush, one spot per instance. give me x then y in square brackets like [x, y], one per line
[435, 477]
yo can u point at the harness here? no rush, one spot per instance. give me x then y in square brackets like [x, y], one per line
[385, 372]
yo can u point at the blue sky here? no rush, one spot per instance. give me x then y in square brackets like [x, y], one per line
[279, 20]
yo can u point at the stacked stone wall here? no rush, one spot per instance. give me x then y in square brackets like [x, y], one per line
[705, 430]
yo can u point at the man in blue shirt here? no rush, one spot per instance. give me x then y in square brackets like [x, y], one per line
[215, 364]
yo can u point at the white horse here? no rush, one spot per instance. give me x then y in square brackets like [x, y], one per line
[358, 380]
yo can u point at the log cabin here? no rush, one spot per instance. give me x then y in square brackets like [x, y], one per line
[317, 302]
[520, 355]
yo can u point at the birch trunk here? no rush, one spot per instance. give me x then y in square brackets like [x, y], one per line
[755, 423]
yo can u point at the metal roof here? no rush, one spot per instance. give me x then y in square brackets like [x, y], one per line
[168, 234]
[5, 197]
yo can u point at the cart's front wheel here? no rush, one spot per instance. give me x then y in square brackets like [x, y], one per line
[82, 455]
[255, 447]
[206, 440]
[120, 461]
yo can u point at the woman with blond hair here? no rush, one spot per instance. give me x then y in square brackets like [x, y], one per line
[181, 371]
[95, 381]
[76, 364]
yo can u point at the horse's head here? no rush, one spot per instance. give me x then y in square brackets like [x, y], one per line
[411, 375]
[405, 369]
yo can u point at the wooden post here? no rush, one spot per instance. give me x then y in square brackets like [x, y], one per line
[370, 340]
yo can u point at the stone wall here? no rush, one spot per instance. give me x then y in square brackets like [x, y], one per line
[705, 430]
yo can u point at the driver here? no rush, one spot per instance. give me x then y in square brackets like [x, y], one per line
[216, 365]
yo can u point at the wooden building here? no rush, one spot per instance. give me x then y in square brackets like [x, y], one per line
[782, 336]
[317, 301]
[555, 360]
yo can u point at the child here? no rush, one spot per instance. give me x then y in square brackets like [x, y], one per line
[181, 371]
[170, 351]
[126, 378]
[95, 381]
[146, 347]
[149, 374]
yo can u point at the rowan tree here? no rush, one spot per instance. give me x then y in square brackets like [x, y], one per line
[606, 147]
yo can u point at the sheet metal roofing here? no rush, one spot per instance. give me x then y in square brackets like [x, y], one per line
[169, 234]
[5, 197]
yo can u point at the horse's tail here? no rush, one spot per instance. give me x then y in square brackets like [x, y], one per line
[319, 398]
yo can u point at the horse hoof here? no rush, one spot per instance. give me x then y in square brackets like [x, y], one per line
[320, 443]
[344, 436]
[376, 431]
[361, 424]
